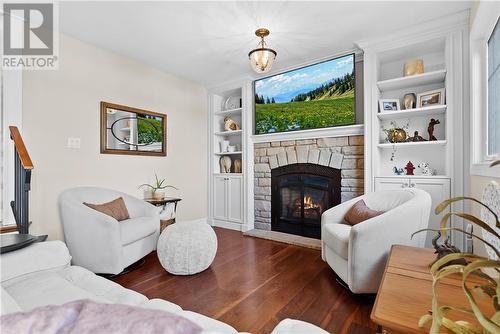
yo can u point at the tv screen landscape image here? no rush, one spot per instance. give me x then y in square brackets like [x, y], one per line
[316, 96]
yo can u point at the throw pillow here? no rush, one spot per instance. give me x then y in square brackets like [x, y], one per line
[359, 212]
[115, 209]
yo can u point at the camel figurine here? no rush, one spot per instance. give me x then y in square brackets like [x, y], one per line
[430, 128]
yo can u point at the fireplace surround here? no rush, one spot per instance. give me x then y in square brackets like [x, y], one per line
[341, 153]
[300, 193]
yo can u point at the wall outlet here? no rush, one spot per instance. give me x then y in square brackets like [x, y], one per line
[73, 142]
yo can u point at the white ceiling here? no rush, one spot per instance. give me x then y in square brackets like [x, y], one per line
[208, 42]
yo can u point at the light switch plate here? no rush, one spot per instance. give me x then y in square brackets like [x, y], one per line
[73, 142]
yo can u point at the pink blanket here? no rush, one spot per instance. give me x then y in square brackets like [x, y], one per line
[84, 316]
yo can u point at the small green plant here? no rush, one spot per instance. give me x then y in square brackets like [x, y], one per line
[157, 185]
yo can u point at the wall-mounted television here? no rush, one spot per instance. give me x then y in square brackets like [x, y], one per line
[321, 95]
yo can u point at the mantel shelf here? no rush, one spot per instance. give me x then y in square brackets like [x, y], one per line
[228, 153]
[228, 133]
[413, 144]
[228, 112]
[412, 81]
[417, 112]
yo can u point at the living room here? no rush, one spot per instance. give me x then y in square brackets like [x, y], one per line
[250, 166]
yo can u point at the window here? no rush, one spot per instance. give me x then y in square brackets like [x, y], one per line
[485, 89]
[493, 117]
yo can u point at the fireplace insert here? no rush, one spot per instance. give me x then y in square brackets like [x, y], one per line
[300, 193]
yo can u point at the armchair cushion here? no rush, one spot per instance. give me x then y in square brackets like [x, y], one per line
[134, 229]
[336, 236]
[116, 208]
[360, 212]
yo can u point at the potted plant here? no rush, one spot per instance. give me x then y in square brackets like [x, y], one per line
[467, 265]
[396, 133]
[156, 190]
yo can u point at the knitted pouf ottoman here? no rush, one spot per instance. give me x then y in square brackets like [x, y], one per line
[187, 247]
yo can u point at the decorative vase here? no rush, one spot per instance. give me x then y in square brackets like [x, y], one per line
[224, 145]
[413, 67]
[159, 194]
[397, 135]
[410, 101]
[147, 193]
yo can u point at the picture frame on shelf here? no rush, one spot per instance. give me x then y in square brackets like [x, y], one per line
[388, 105]
[431, 97]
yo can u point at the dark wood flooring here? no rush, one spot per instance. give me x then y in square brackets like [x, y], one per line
[253, 284]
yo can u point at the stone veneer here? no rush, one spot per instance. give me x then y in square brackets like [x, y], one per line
[344, 153]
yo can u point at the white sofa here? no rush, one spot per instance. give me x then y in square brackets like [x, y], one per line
[41, 274]
[358, 253]
[99, 242]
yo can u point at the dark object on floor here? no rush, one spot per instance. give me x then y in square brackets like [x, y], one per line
[430, 128]
[12, 242]
[445, 249]
[128, 269]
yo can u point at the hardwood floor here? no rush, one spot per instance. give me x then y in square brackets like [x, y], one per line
[254, 283]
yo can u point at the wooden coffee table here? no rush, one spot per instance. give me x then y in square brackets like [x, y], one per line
[405, 293]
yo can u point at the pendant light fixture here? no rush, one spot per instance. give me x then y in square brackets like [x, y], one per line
[262, 58]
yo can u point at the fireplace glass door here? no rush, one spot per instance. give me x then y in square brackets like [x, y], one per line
[300, 194]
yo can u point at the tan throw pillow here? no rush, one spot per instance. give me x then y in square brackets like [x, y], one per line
[359, 212]
[115, 209]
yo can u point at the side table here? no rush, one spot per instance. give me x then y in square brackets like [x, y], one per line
[163, 203]
[405, 293]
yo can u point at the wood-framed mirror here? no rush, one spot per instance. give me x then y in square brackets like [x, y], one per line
[127, 130]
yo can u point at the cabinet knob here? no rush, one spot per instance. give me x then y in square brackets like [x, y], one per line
[412, 185]
[404, 185]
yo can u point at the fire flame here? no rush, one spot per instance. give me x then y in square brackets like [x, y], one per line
[309, 203]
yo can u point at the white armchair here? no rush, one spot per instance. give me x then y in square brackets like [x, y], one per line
[358, 253]
[99, 242]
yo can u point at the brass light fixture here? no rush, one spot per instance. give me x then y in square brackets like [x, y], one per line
[262, 58]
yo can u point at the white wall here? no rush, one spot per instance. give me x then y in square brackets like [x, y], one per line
[65, 103]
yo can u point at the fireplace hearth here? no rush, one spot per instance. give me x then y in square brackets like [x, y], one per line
[300, 193]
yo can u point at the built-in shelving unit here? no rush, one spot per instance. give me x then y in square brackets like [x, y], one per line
[418, 144]
[228, 112]
[416, 112]
[228, 153]
[227, 190]
[412, 81]
[228, 133]
[441, 44]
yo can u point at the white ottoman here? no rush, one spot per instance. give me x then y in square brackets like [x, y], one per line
[187, 247]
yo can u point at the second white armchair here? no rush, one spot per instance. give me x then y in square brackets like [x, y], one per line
[358, 253]
[99, 242]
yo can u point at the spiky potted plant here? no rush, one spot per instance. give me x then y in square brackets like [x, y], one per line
[487, 271]
[156, 190]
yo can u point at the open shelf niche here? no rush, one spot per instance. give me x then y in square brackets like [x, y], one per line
[226, 104]
[391, 84]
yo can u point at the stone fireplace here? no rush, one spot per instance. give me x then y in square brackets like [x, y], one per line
[297, 180]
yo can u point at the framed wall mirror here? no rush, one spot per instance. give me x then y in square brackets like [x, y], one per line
[127, 130]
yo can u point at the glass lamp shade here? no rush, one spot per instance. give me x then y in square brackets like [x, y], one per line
[262, 59]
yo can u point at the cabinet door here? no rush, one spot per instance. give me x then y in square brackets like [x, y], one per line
[391, 183]
[439, 189]
[220, 195]
[234, 199]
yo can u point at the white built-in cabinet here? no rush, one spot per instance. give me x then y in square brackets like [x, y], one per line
[438, 188]
[228, 200]
[443, 46]
[227, 196]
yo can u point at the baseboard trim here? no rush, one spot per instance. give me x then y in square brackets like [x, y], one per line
[227, 225]
[285, 238]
